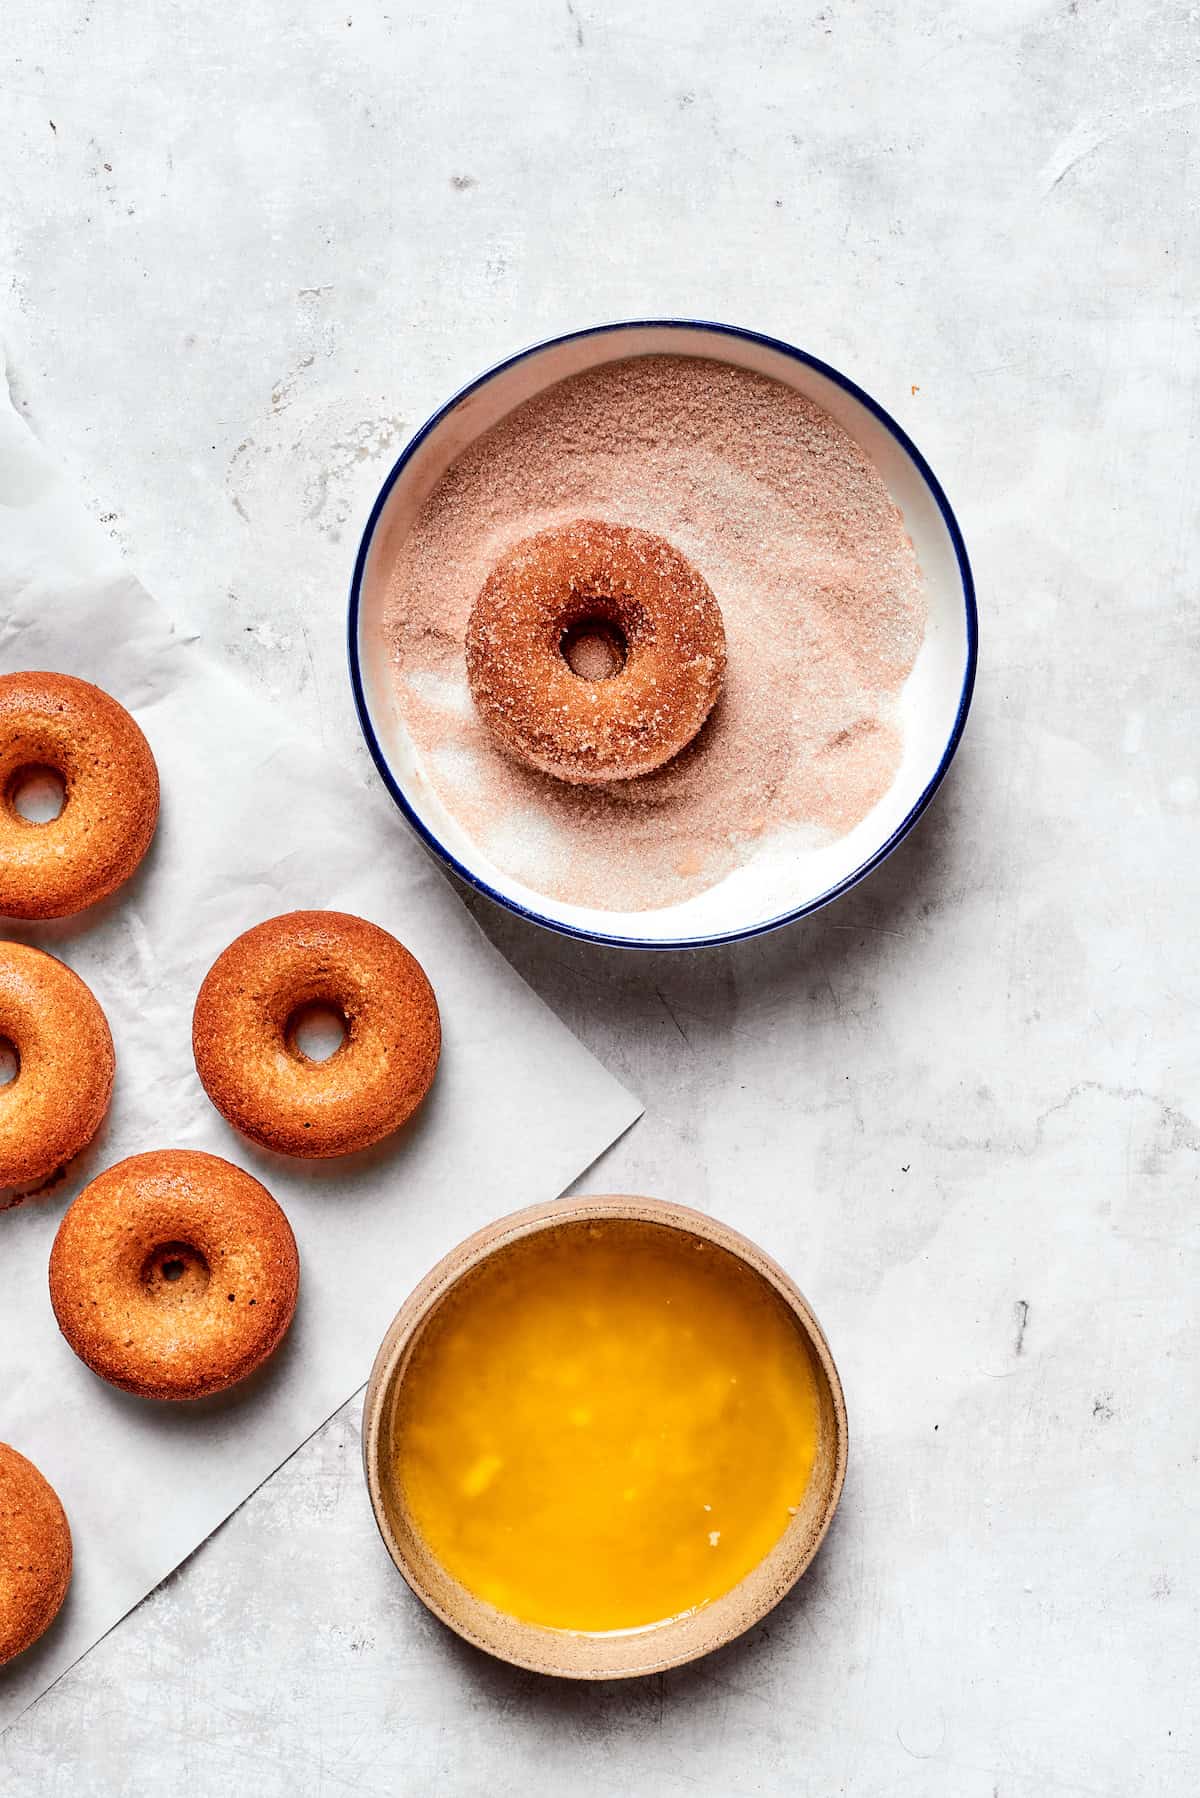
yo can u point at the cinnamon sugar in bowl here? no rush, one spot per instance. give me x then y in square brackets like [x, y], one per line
[840, 574]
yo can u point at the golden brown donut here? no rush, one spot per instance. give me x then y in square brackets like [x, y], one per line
[595, 652]
[35, 1554]
[111, 795]
[263, 1083]
[174, 1274]
[64, 1054]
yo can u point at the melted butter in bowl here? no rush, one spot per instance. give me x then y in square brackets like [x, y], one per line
[606, 1426]
[604, 1441]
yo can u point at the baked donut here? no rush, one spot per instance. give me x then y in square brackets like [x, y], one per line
[35, 1554]
[63, 1050]
[595, 651]
[110, 807]
[243, 1033]
[174, 1274]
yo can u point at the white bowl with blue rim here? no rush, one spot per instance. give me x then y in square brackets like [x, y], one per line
[770, 888]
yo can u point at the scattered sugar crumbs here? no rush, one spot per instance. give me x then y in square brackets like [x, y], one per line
[824, 607]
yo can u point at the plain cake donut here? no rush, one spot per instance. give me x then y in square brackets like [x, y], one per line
[595, 651]
[260, 1079]
[174, 1274]
[62, 1049]
[35, 1554]
[110, 806]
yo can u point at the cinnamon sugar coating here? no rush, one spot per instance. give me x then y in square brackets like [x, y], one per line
[638, 707]
[821, 596]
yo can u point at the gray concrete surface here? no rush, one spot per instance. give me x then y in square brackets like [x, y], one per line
[249, 252]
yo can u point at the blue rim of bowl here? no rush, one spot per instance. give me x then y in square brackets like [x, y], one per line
[606, 938]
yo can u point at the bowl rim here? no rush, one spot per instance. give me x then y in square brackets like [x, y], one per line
[613, 939]
[471, 1253]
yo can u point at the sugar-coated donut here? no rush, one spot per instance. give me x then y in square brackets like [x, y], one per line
[174, 1274]
[35, 1554]
[263, 1083]
[595, 651]
[110, 808]
[63, 1051]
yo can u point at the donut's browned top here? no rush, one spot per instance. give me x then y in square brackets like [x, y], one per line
[269, 1089]
[591, 730]
[35, 1553]
[64, 1078]
[111, 795]
[174, 1274]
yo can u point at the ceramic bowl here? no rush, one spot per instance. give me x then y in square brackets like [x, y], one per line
[620, 1653]
[774, 886]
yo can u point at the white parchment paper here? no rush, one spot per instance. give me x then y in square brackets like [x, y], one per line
[255, 820]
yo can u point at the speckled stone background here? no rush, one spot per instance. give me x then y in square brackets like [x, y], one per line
[249, 251]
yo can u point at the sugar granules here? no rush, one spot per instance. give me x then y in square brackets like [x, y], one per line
[824, 609]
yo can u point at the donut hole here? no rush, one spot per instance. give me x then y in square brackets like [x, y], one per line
[36, 793]
[176, 1272]
[594, 648]
[316, 1030]
[10, 1061]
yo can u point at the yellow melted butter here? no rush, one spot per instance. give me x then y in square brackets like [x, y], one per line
[606, 1425]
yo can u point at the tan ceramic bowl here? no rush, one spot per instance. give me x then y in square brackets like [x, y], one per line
[617, 1654]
